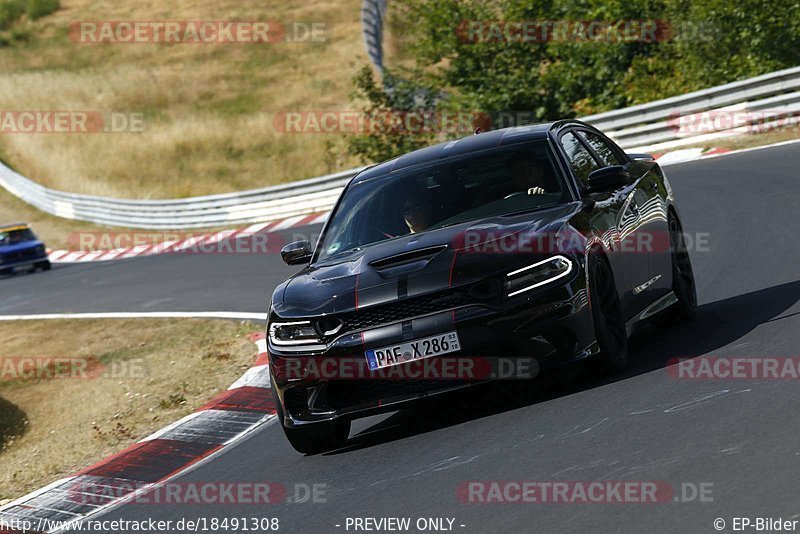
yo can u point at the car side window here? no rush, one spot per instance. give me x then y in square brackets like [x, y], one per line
[601, 148]
[581, 160]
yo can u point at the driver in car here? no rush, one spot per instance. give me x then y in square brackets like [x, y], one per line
[417, 211]
[528, 177]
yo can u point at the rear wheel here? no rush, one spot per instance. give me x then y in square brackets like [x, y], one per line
[316, 437]
[682, 279]
[682, 274]
[609, 321]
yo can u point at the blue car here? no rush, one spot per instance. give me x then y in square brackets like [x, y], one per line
[20, 248]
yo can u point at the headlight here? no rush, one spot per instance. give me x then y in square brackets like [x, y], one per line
[293, 333]
[538, 274]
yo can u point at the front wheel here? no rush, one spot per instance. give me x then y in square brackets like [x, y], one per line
[607, 315]
[316, 437]
[43, 265]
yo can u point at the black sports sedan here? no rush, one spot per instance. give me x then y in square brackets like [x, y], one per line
[542, 244]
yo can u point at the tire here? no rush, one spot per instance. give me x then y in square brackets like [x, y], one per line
[44, 265]
[609, 321]
[317, 437]
[4, 272]
[683, 284]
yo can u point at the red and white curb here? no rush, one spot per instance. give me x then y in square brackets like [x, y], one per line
[201, 240]
[687, 154]
[153, 461]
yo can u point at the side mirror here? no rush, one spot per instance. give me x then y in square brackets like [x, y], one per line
[296, 253]
[608, 179]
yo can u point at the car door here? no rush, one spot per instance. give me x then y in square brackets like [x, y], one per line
[650, 237]
[616, 215]
[651, 240]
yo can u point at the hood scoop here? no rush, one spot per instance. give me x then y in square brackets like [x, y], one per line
[406, 262]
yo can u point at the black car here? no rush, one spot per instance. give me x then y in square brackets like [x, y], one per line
[545, 241]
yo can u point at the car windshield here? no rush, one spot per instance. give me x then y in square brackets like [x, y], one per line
[12, 237]
[483, 184]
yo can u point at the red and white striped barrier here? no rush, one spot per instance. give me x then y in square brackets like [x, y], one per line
[81, 256]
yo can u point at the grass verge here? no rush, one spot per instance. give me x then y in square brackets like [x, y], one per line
[125, 379]
[753, 140]
[206, 109]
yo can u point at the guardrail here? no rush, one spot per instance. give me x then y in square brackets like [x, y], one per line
[647, 127]
[257, 205]
[372, 15]
[657, 123]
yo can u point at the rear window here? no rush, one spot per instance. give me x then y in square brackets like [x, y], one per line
[12, 237]
[481, 185]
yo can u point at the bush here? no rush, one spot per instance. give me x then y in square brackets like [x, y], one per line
[10, 12]
[387, 103]
[718, 41]
[41, 8]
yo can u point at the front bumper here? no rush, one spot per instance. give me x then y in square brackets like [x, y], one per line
[550, 326]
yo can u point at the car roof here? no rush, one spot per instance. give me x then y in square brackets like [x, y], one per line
[465, 145]
[14, 226]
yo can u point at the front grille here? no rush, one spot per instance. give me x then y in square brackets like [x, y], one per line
[404, 309]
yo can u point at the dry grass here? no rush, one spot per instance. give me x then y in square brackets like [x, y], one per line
[69, 423]
[208, 109]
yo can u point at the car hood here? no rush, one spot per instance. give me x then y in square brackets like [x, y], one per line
[416, 264]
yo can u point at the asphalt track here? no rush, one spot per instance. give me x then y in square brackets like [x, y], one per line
[739, 435]
[177, 282]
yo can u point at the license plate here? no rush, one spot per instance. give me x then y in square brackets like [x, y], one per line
[413, 350]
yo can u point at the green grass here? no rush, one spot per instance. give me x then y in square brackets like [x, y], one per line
[41, 8]
[10, 12]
